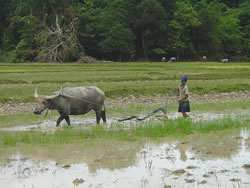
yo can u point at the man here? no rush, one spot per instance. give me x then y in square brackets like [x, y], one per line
[184, 106]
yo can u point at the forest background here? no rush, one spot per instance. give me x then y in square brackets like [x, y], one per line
[124, 30]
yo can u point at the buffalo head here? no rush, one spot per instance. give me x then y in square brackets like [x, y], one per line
[44, 101]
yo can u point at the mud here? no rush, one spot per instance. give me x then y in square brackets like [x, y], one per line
[220, 159]
[86, 123]
[215, 160]
[194, 99]
[13, 108]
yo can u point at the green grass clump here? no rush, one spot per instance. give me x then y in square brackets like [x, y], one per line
[185, 127]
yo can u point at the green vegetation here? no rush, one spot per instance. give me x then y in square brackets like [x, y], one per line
[128, 30]
[150, 129]
[16, 119]
[126, 110]
[18, 81]
[143, 30]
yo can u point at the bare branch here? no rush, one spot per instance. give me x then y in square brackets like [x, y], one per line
[59, 42]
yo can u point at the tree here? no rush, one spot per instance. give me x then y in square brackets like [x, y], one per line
[116, 37]
[4, 9]
[231, 35]
[207, 37]
[244, 17]
[89, 27]
[181, 27]
[118, 29]
[28, 47]
[231, 3]
[149, 26]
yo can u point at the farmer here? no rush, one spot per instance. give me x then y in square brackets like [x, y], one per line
[183, 100]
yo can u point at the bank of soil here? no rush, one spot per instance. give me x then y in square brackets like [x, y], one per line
[13, 108]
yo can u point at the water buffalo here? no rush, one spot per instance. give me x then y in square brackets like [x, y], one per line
[73, 101]
[172, 59]
[204, 58]
[224, 60]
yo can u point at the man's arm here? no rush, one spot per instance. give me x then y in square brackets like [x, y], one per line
[184, 98]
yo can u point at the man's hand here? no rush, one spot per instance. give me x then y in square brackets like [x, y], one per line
[179, 100]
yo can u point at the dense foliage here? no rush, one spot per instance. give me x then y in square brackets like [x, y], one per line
[124, 30]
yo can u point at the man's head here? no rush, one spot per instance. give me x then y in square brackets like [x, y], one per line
[184, 79]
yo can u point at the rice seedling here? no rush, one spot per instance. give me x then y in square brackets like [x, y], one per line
[17, 82]
[131, 132]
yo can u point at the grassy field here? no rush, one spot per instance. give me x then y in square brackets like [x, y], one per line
[151, 129]
[18, 81]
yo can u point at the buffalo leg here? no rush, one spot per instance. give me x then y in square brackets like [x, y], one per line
[103, 115]
[98, 116]
[59, 120]
[63, 116]
[67, 120]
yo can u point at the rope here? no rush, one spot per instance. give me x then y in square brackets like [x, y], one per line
[163, 109]
[64, 95]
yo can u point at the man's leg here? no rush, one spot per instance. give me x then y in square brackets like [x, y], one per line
[185, 114]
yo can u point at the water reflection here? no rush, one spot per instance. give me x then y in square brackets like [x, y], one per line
[209, 160]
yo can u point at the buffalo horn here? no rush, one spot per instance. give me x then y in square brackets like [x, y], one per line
[50, 97]
[55, 94]
[35, 94]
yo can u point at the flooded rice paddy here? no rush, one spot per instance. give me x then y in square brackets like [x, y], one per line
[88, 122]
[211, 161]
[219, 159]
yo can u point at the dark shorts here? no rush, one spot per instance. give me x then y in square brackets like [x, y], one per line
[184, 106]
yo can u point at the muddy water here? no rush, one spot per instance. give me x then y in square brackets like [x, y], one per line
[88, 122]
[211, 160]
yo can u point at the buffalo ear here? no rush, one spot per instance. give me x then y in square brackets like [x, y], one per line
[46, 101]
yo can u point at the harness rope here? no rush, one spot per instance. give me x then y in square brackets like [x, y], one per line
[70, 96]
[163, 109]
[64, 95]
